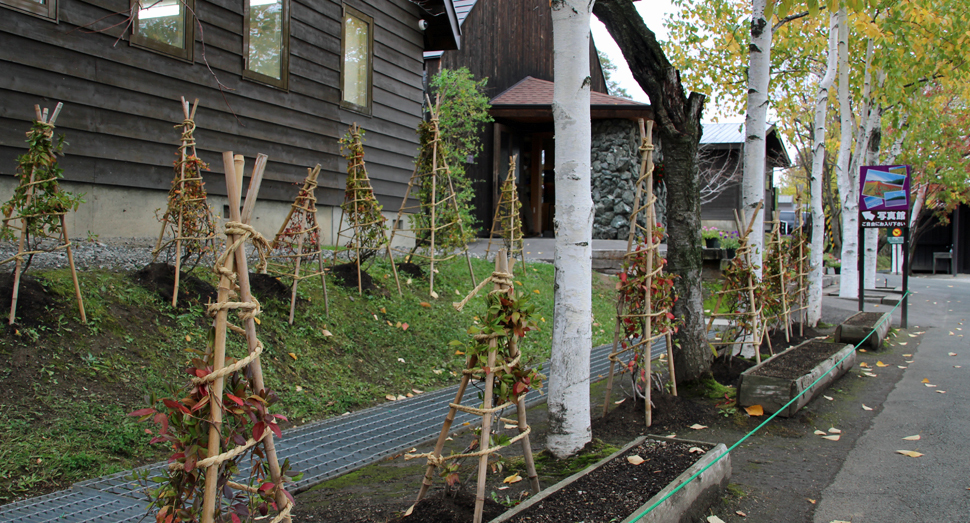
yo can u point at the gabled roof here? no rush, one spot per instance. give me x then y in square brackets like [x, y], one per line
[728, 135]
[533, 91]
[462, 8]
[531, 100]
[443, 32]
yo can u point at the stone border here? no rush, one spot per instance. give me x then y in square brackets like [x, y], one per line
[773, 393]
[689, 502]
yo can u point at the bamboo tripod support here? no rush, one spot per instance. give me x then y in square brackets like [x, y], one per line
[654, 269]
[233, 270]
[425, 236]
[754, 307]
[502, 279]
[181, 206]
[48, 136]
[299, 238]
[802, 264]
[365, 228]
[507, 224]
[776, 254]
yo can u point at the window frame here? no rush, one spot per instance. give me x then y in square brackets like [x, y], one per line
[185, 53]
[282, 82]
[369, 20]
[47, 11]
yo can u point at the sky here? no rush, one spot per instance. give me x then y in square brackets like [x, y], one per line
[653, 12]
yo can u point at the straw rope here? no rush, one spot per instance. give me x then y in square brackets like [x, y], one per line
[498, 278]
[439, 460]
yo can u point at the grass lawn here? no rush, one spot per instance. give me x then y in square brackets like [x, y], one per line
[69, 386]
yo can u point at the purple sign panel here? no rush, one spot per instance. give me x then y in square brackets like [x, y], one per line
[884, 196]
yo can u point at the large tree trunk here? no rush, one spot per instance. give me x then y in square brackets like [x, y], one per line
[569, 411]
[818, 165]
[679, 127]
[755, 124]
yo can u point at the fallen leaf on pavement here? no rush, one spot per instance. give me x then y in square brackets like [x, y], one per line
[902, 366]
[881, 364]
[830, 398]
[864, 407]
[910, 453]
[941, 392]
[925, 380]
[871, 375]
[695, 450]
[834, 430]
[755, 410]
[742, 514]
[930, 385]
[834, 437]
[912, 438]
[953, 354]
[957, 367]
[810, 500]
[714, 519]
[819, 433]
[514, 478]
[907, 355]
[903, 342]
[698, 426]
[863, 364]
[634, 459]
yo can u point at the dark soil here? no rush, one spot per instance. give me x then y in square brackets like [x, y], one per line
[865, 319]
[346, 276]
[670, 414]
[447, 508]
[411, 269]
[264, 287]
[160, 278]
[33, 302]
[727, 371]
[778, 343]
[618, 488]
[798, 361]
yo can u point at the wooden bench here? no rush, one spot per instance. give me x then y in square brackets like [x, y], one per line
[948, 256]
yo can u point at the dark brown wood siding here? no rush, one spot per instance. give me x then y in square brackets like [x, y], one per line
[121, 103]
[505, 41]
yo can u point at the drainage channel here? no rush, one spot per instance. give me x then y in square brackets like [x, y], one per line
[321, 450]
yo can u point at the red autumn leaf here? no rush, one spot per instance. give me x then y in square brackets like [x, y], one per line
[265, 487]
[142, 412]
[175, 405]
[276, 430]
[258, 430]
[236, 400]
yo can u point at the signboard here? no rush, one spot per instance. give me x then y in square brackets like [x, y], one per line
[895, 236]
[884, 196]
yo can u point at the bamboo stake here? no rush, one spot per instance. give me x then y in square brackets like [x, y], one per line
[445, 428]
[178, 230]
[501, 265]
[245, 292]
[670, 363]
[70, 261]
[648, 296]
[434, 206]
[296, 276]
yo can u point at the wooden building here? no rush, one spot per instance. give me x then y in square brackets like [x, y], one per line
[281, 77]
[510, 43]
[721, 152]
[941, 240]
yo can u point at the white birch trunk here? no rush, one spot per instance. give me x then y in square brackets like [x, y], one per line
[818, 163]
[755, 123]
[848, 184]
[569, 408]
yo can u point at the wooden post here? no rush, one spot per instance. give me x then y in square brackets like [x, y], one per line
[296, 276]
[445, 428]
[245, 292]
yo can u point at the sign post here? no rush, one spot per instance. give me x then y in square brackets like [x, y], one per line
[884, 203]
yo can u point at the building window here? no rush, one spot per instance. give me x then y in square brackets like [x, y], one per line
[267, 41]
[357, 50]
[164, 26]
[42, 8]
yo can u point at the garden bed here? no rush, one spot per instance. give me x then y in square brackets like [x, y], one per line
[614, 489]
[859, 325]
[777, 380]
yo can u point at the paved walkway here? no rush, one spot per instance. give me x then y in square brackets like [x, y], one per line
[320, 450]
[877, 485]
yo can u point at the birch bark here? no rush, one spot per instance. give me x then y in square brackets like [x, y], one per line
[569, 409]
[848, 184]
[818, 164]
[755, 122]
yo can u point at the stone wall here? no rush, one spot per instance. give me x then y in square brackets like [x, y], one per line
[615, 168]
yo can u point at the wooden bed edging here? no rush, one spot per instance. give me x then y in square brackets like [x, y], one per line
[773, 393]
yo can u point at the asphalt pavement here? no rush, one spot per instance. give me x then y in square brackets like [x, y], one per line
[875, 483]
